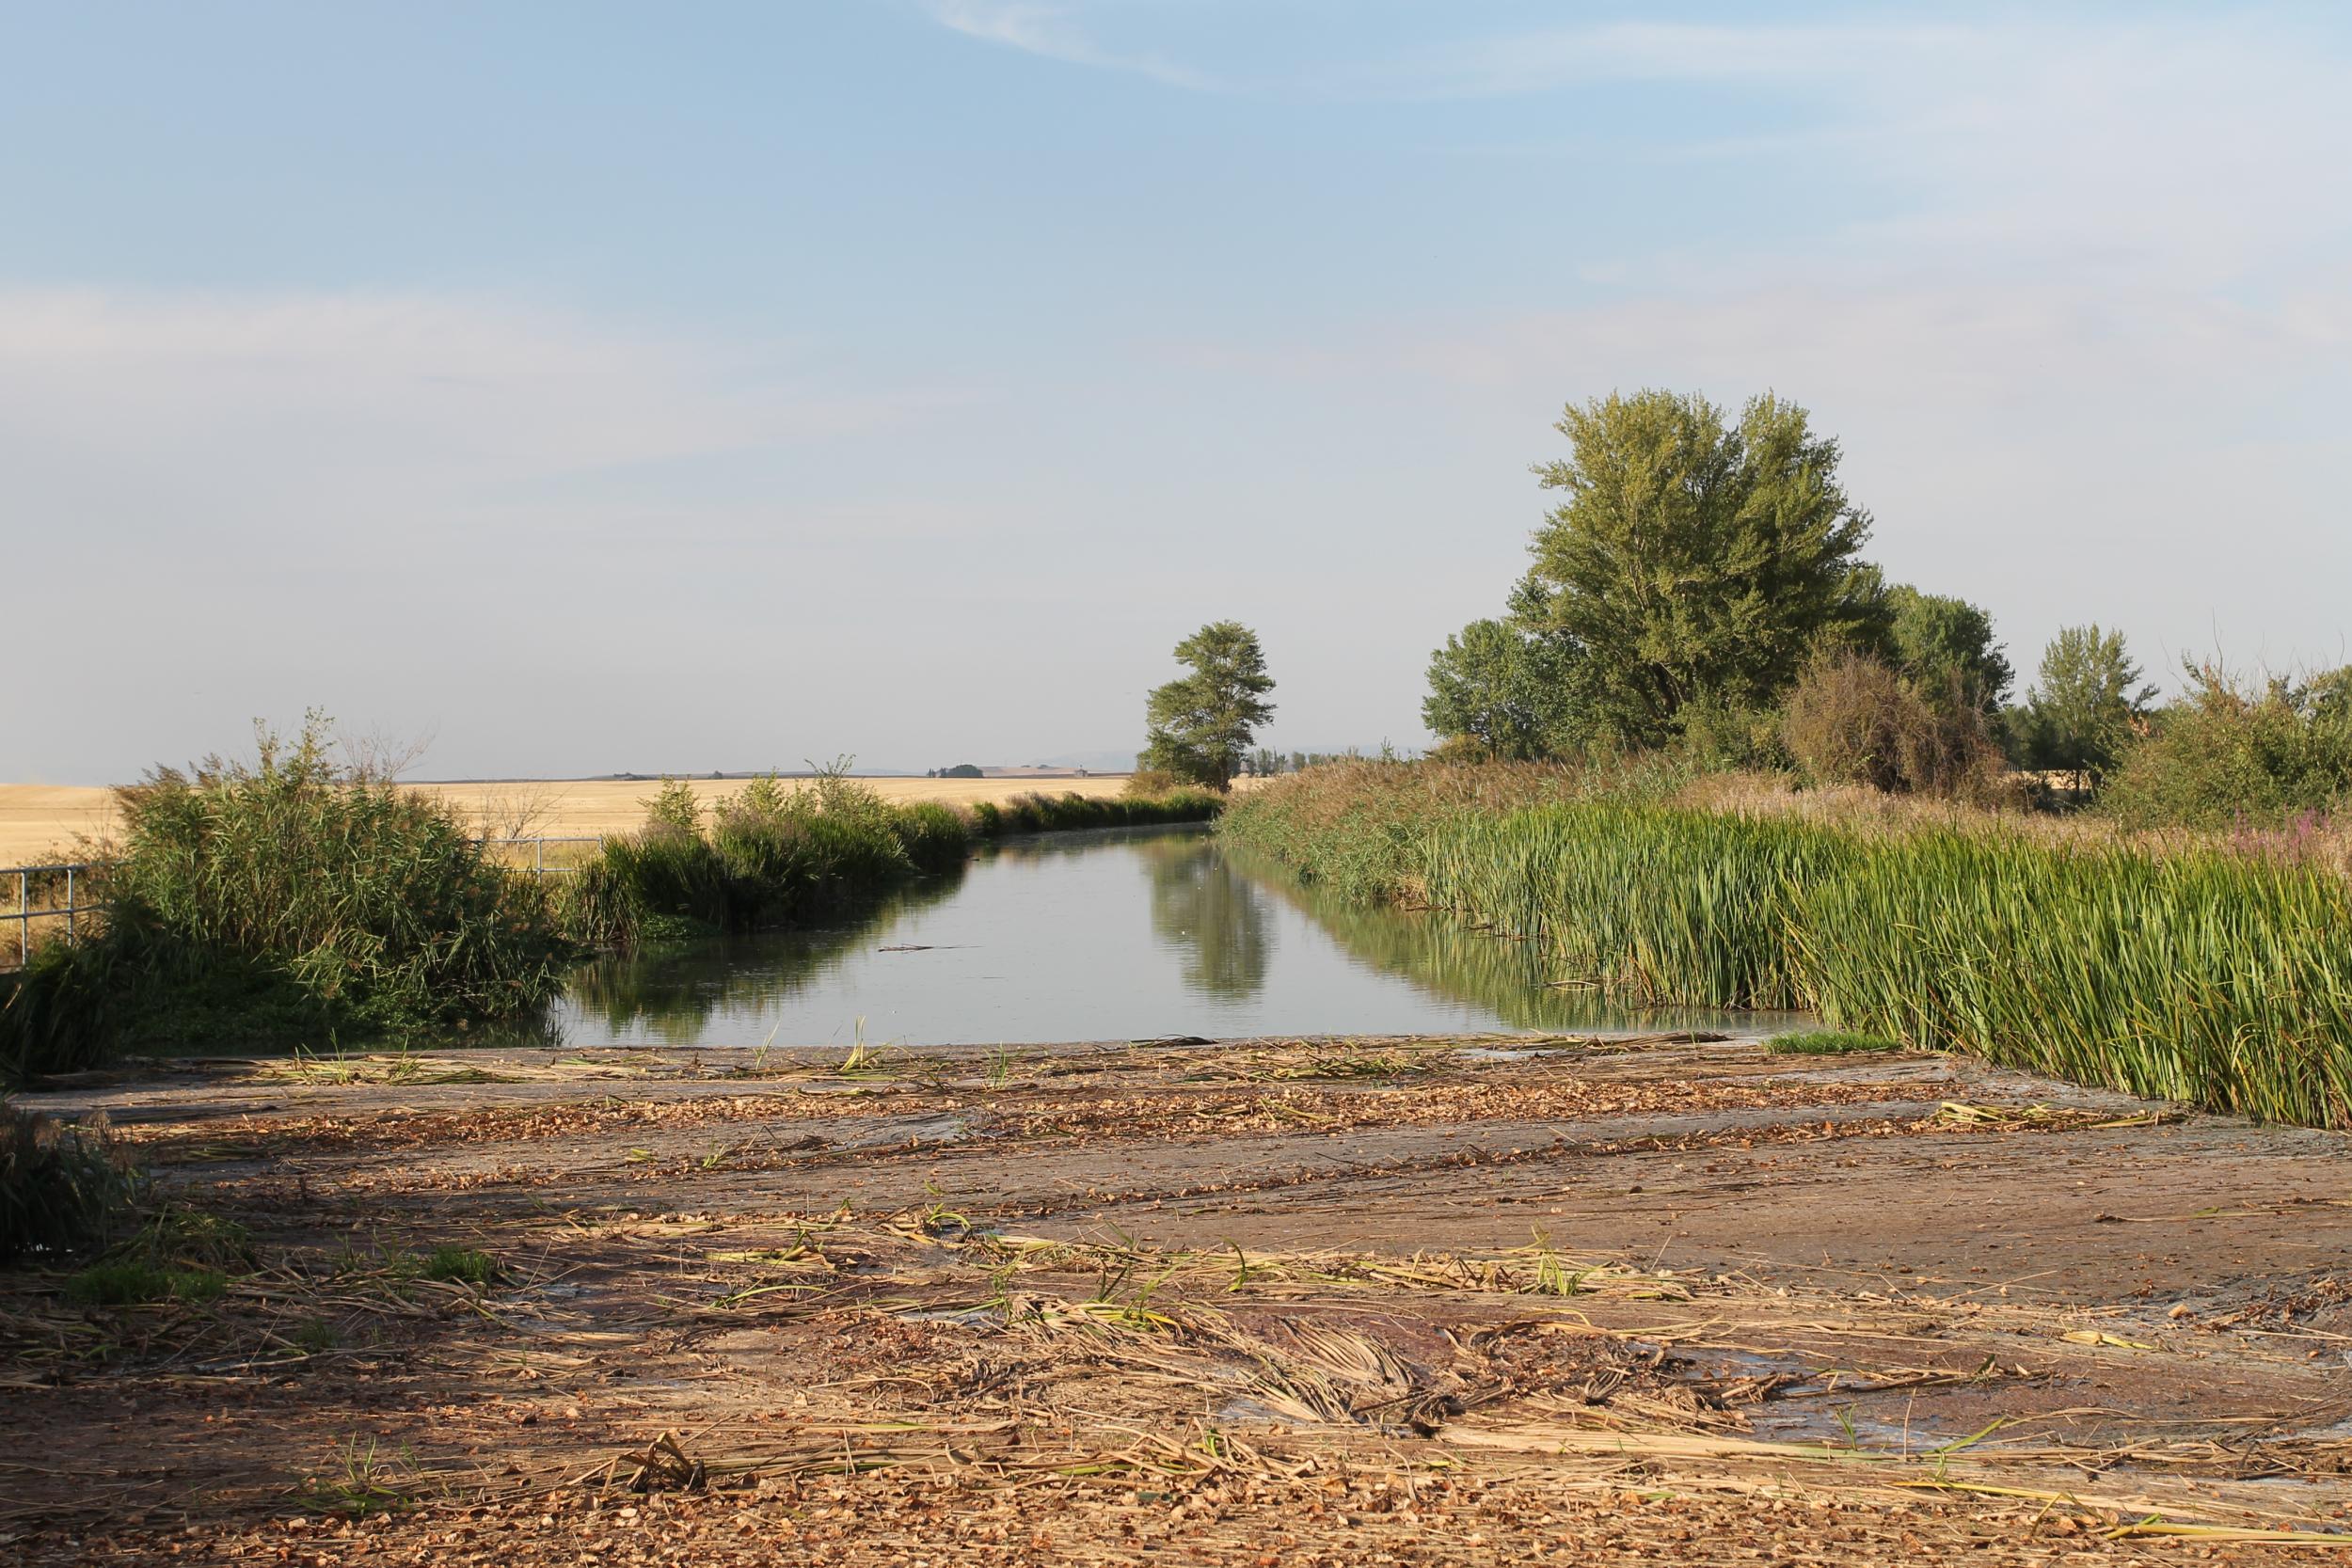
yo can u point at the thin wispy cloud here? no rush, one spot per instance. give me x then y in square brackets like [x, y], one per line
[1060, 32]
[1233, 50]
[403, 388]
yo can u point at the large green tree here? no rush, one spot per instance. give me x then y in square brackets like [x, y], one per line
[1201, 726]
[1695, 559]
[2080, 712]
[1947, 648]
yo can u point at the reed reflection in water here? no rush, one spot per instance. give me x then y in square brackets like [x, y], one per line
[1111, 935]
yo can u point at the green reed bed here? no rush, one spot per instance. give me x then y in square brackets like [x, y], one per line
[2201, 973]
[2203, 976]
[1358, 828]
[772, 856]
[294, 897]
[1669, 905]
[1036, 812]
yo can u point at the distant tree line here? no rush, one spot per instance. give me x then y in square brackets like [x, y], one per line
[1700, 584]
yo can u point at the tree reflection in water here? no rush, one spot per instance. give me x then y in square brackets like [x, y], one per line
[1042, 941]
[1213, 913]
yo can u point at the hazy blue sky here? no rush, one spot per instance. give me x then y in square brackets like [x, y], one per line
[644, 387]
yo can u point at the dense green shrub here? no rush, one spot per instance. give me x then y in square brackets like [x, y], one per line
[292, 897]
[2230, 754]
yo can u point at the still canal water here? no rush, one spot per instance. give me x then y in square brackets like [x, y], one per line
[1094, 936]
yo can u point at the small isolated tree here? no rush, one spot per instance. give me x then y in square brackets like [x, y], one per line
[1201, 726]
[2080, 713]
[1696, 560]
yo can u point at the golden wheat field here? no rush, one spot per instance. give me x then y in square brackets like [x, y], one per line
[46, 822]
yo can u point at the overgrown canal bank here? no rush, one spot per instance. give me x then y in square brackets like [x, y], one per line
[2195, 971]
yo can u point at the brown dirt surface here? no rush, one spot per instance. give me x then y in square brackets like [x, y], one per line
[1270, 1302]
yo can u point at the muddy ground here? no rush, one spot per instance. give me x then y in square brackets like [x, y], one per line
[1355, 1301]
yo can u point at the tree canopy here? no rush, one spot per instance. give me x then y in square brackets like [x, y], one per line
[1201, 726]
[1696, 560]
[2079, 713]
[1945, 647]
[1487, 686]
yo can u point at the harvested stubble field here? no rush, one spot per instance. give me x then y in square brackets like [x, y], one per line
[45, 822]
[1344, 1301]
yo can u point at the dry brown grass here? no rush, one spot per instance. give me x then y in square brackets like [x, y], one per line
[49, 822]
[1602, 1300]
[1862, 809]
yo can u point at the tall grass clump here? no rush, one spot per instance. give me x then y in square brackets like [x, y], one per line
[934, 837]
[768, 855]
[289, 896]
[2200, 974]
[1070, 812]
[775, 855]
[1667, 905]
[2191, 970]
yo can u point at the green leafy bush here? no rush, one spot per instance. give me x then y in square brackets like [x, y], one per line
[289, 896]
[2230, 754]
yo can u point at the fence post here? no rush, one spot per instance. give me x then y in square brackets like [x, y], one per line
[25, 924]
[68, 905]
[538, 857]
